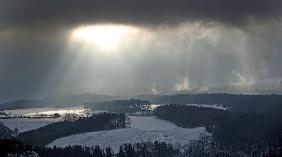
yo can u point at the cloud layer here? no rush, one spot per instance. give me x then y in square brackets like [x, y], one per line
[213, 43]
[19, 13]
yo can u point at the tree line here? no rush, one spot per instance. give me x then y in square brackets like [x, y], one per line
[204, 147]
[239, 103]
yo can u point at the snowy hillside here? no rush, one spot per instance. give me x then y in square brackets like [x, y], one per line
[47, 110]
[144, 129]
[24, 124]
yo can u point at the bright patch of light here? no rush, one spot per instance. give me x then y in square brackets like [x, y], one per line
[104, 37]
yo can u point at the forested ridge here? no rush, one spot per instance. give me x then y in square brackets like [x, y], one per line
[54, 101]
[121, 106]
[238, 103]
[227, 127]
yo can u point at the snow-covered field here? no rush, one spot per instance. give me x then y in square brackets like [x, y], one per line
[47, 110]
[24, 124]
[144, 129]
[215, 106]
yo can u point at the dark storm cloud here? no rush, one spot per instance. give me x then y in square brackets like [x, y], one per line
[34, 37]
[20, 13]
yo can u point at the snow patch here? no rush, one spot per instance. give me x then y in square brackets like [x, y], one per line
[215, 106]
[144, 129]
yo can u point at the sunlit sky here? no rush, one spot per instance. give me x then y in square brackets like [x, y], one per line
[108, 37]
[145, 47]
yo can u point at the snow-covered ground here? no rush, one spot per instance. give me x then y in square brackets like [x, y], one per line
[215, 106]
[144, 129]
[24, 124]
[47, 110]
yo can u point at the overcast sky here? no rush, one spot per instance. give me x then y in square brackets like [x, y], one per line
[172, 44]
